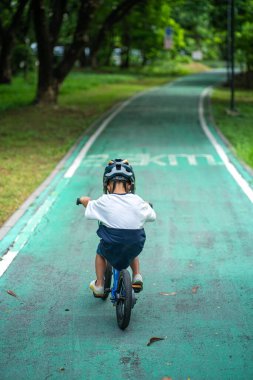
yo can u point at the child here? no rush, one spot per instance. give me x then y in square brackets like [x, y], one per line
[122, 215]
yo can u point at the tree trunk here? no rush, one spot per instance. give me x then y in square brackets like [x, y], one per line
[7, 41]
[47, 93]
[5, 59]
[144, 59]
[125, 54]
[45, 88]
[50, 77]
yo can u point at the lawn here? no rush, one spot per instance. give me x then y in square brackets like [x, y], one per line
[238, 127]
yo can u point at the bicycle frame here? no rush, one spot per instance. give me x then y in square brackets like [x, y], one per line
[114, 290]
[115, 285]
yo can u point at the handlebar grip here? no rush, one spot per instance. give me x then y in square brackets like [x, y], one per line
[78, 202]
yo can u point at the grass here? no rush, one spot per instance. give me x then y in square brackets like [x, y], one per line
[34, 139]
[238, 129]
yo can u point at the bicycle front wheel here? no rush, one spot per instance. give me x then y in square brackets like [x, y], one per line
[124, 301]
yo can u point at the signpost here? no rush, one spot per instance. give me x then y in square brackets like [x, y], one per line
[168, 38]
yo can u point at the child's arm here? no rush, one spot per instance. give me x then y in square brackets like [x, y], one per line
[148, 211]
[84, 201]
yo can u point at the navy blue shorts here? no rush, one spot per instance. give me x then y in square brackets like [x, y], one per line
[119, 256]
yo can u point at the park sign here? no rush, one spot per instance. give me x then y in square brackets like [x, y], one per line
[168, 38]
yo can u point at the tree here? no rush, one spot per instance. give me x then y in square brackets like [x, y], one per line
[48, 20]
[11, 15]
[244, 38]
[140, 34]
[117, 14]
[143, 30]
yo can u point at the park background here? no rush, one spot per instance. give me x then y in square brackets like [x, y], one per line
[63, 64]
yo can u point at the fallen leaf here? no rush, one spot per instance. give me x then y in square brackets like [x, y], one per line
[195, 289]
[12, 293]
[167, 378]
[154, 339]
[168, 294]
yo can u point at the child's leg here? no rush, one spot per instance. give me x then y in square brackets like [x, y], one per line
[137, 282]
[135, 266]
[100, 265]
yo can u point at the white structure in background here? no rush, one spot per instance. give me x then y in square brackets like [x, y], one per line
[197, 55]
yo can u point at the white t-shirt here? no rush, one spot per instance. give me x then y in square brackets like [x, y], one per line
[122, 211]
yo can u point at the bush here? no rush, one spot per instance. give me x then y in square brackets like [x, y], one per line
[23, 59]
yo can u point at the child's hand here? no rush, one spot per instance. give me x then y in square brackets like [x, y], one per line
[84, 201]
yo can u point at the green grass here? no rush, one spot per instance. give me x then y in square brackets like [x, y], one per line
[238, 129]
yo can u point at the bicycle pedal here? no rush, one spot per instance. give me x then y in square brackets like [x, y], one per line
[99, 296]
[137, 288]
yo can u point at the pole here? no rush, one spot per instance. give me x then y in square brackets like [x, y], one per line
[228, 41]
[231, 21]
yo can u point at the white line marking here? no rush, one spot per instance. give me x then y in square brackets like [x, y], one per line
[230, 167]
[140, 159]
[7, 260]
[25, 234]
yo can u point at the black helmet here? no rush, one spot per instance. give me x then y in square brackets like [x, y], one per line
[118, 170]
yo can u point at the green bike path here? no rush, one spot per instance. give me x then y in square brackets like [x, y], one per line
[197, 262]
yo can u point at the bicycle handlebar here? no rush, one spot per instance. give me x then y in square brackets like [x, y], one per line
[78, 202]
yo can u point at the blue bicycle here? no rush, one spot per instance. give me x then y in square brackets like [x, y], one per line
[122, 293]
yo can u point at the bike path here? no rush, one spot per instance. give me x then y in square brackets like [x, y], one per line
[197, 262]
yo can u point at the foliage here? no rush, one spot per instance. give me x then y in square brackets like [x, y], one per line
[23, 59]
[244, 33]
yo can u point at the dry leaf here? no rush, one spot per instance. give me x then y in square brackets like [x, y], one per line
[195, 289]
[154, 339]
[12, 293]
[168, 294]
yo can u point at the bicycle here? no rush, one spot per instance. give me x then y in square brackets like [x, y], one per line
[122, 292]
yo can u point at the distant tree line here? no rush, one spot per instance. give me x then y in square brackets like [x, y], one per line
[89, 31]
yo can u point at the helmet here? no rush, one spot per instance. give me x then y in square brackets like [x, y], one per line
[118, 170]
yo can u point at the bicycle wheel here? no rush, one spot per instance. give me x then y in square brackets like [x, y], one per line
[124, 302]
[108, 280]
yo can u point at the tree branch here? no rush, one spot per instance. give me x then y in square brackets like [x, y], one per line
[59, 7]
[86, 12]
[115, 16]
[17, 16]
[45, 49]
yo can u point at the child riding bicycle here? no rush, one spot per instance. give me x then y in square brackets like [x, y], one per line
[121, 215]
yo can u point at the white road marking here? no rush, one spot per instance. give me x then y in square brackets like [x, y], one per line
[230, 167]
[165, 159]
[25, 234]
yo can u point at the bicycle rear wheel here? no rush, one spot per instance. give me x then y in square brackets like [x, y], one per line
[124, 302]
[108, 280]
